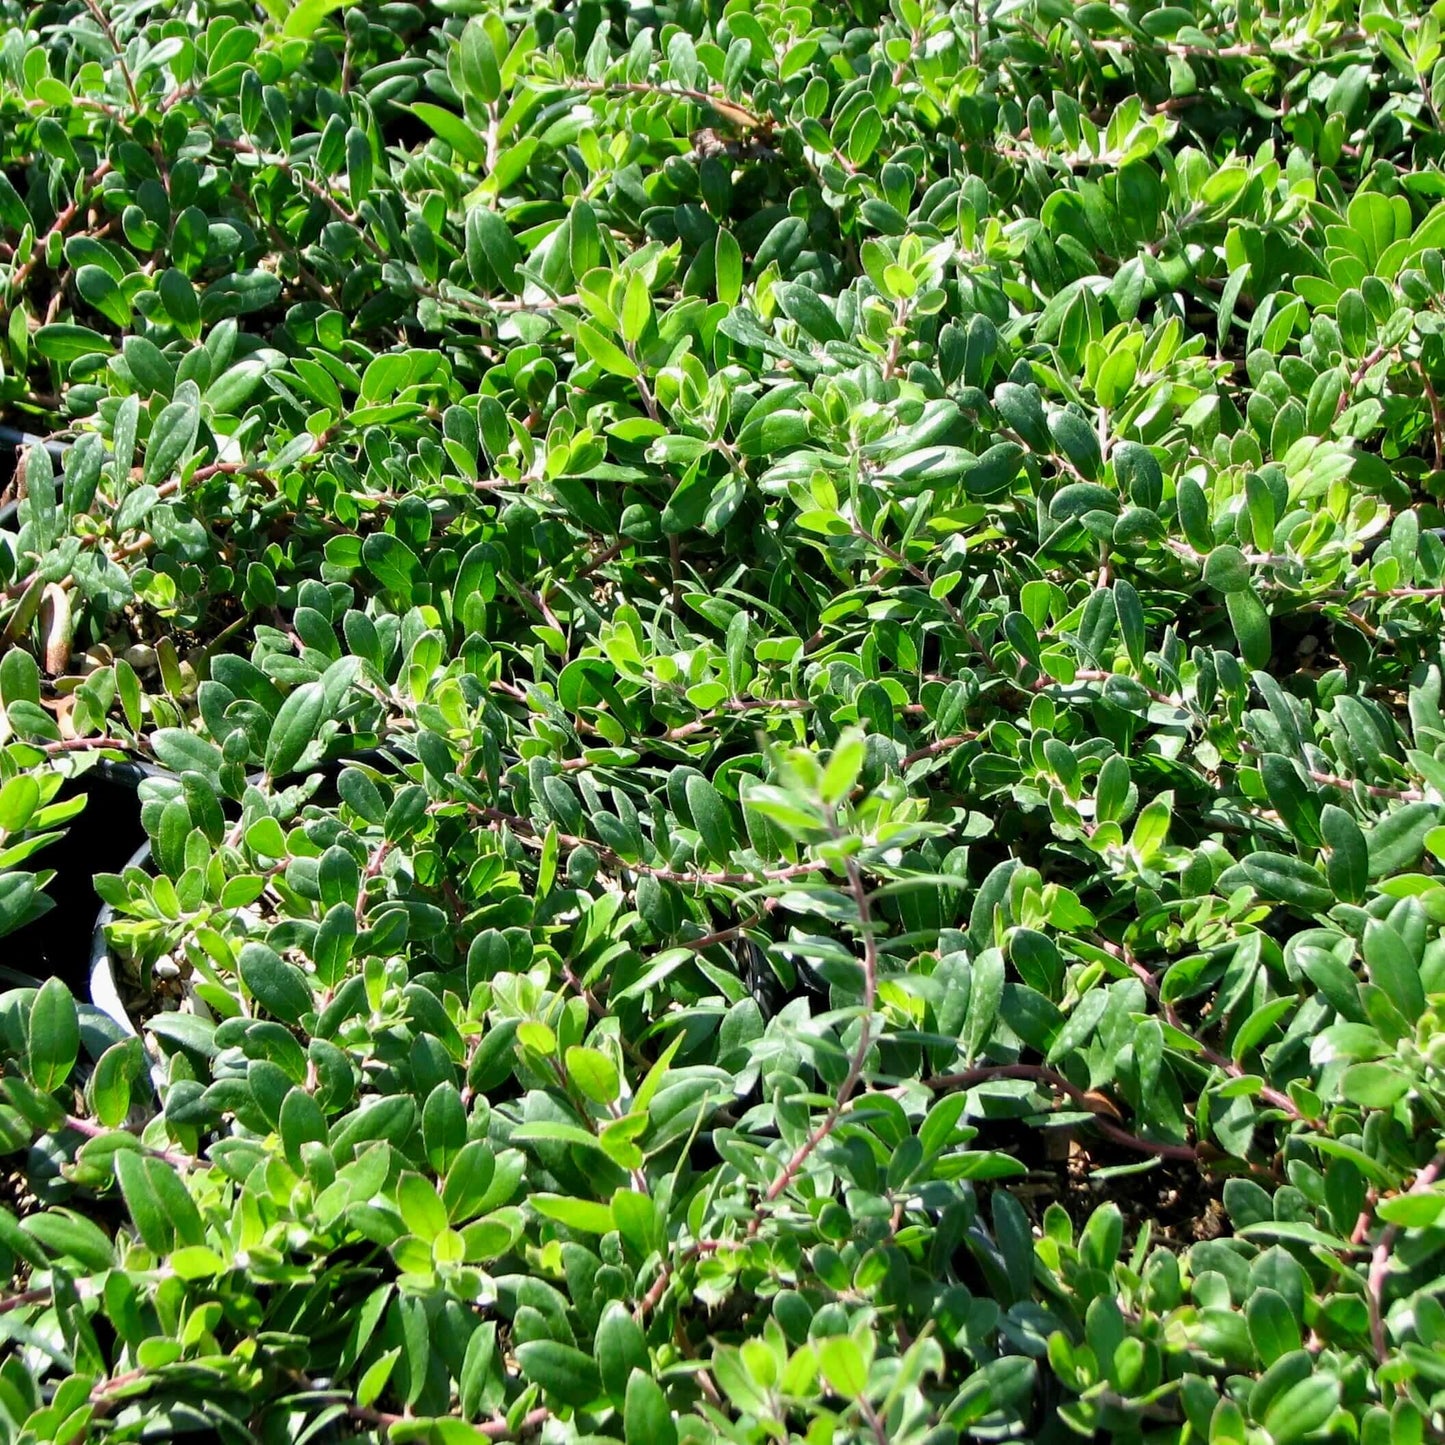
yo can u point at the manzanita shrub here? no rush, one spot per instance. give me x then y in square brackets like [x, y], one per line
[792, 660]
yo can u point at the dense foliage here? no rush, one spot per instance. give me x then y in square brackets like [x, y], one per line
[791, 658]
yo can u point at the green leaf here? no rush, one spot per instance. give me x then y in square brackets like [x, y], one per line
[843, 1366]
[1423, 1209]
[305, 18]
[1397, 841]
[421, 1207]
[1282, 878]
[492, 251]
[811, 313]
[1296, 803]
[1130, 611]
[727, 267]
[374, 1380]
[444, 1126]
[1302, 1409]
[646, 1419]
[844, 765]
[864, 136]
[564, 1373]
[1076, 439]
[468, 1186]
[712, 817]
[61, 341]
[182, 306]
[295, 728]
[1373, 1085]
[359, 165]
[480, 70]
[636, 309]
[392, 563]
[492, 1236]
[478, 1368]
[1392, 969]
[99, 289]
[775, 432]
[585, 1215]
[621, 1350]
[69, 1235]
[53, 1036]
[110, 1085]
[1077, 499]
[1251, 627]
[605, 352]
[279, 987]
[1348, 866]
[239, 294]
[146, 1208]
[1226, 569]
[1273, 1329]
[594, 1074]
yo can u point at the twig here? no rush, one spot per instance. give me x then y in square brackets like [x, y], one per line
[919, 575]
[1211, 1056]
[789, 1171]
[874, 1420]
[649, 404]
[100, 19]
[658, 1288]
[600, 560]
[58, 228]
[95, 1131]
[1437, 416]
[1041, 1073]
[1164, 699]
[81, 745]
[728, 109]
[36, 1296]
[1329, 780]
[373, 870]
[1357, 376]
[1348, 785]
[899, 330]
[942, 745]
[1238, 51]
[1380, 1259]
[726, 935]
[491, 1429]
[860, 1052]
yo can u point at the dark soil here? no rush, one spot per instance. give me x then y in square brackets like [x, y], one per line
[1178, 1200]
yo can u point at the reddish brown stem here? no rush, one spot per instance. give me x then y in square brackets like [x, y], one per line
[942, 745]
[95, 1131]
[1380, 1260]
[728, 109]
[58, 228]
[850, 1082]
[1278, 1098]
[1040, 1073]
[39, 1295]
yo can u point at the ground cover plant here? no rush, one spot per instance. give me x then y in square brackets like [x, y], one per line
[788, 663]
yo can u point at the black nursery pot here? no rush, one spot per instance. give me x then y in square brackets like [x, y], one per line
[98, 840]
[104, 989]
